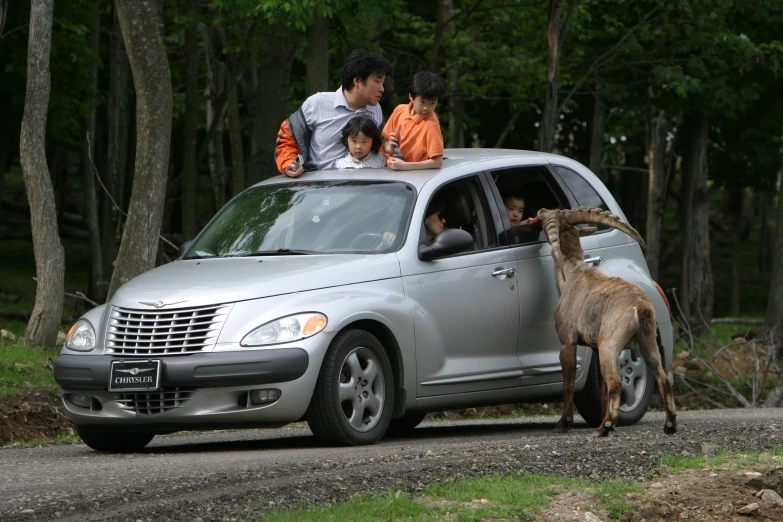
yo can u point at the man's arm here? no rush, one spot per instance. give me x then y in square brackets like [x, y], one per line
[286, 151]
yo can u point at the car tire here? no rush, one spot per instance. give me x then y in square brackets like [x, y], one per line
[354, 396]
[404, 425]
[119, 441]
[633, 373]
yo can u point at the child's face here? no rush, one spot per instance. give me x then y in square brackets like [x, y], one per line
[359, 145]
[515, 208]
[423, 107]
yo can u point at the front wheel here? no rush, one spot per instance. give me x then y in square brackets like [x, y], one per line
[636, 390]
[119, 441]
[354, 396]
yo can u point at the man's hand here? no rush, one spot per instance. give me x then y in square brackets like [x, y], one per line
[292, 172]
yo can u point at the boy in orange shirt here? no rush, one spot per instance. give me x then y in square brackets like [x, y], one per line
[415, 128]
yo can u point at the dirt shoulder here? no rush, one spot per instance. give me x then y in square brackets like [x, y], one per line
[33, 415]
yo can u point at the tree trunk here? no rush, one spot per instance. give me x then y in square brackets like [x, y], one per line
[656, 193]
[270, 103]
[696, 285]
[118, 122]
[456, 105]
[235, 135]
[49, 256]
[772, 331]
[597, 136]
[190, 131]
[97, 287]
[318, 56]
[740, 210]
[216, 73]
[546, 133]
[152, 79]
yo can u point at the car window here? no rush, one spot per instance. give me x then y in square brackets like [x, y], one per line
[536, 188]
[309, 217]
[465, 207]
[583, 192]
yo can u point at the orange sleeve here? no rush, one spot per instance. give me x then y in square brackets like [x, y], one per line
[390, 125]
[434, 141]
[286, 148]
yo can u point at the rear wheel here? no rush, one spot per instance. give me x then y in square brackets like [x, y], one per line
[636, 390]
[119, 441]
[354, 396]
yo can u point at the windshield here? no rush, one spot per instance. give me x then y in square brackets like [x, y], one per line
[309, 218]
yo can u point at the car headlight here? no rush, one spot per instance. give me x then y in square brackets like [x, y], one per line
[286, 329]
[81, 336]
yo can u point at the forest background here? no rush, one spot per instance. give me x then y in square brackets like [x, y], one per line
[165, 110]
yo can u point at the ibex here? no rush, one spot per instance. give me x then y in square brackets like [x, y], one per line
[602, 312]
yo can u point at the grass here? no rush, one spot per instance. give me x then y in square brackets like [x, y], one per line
[22, 369]
[510, 497]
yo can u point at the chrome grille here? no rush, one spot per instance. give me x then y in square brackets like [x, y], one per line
[169, 332]
[153, 403]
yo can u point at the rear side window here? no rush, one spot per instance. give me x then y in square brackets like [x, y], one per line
[583, 192]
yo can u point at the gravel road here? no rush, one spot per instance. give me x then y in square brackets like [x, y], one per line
[236, 474]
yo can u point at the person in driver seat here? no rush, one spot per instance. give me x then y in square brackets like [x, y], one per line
[434, 222]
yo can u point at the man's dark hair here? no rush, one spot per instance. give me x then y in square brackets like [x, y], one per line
[428, 85]
[366, 126]
[361, 64]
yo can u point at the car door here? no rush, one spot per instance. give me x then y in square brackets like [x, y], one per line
[465, 306]
[538, 346]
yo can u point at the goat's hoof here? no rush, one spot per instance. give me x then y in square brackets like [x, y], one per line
[670, 428]
[600, 432]
[561, 427]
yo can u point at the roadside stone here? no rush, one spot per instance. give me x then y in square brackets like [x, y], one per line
[60, 338]
[749, 509]
[769, 495]
[709, 449]
[591, 517]
[8, 336]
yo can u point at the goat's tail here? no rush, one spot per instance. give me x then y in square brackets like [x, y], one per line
[646, 318]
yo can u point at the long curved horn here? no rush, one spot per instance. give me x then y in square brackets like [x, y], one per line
[549, 219]
[588, 215]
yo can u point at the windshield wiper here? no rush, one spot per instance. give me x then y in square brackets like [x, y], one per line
[200, 256]
[280, 252]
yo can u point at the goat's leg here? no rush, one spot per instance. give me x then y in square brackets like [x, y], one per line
[649, 349]
[568, 362]
[608, 358]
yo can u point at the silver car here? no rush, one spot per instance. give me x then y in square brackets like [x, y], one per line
[320, 299]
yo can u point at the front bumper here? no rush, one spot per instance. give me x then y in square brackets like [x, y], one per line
[207, 370]
[199, 391]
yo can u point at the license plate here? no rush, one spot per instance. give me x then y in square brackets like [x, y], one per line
[134, 376]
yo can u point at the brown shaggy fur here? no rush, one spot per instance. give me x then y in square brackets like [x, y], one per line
[606, 314]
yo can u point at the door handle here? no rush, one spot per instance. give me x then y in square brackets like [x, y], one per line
[510, 272]
[594, 260]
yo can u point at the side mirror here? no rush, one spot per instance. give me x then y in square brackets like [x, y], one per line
[183, 247]
[450, 241]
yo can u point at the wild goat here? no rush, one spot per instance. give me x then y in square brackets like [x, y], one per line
[602, 312]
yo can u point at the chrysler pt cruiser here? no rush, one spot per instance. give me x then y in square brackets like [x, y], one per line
[320, 299]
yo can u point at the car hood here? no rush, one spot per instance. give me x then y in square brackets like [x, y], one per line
[209, 281]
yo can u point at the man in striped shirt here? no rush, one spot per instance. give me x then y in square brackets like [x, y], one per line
[314, 131]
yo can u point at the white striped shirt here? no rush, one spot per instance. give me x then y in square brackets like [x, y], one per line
[326, 114]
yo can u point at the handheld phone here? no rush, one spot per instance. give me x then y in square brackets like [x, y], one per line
[298, 161]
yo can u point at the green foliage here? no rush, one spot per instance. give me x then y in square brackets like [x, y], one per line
[23, 369]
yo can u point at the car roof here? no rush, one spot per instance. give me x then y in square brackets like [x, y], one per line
[452, 159]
